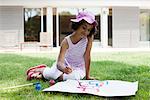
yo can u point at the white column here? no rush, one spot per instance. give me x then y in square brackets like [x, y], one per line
[41, 19]
[50, 24]
[104, 27]
[57, 27]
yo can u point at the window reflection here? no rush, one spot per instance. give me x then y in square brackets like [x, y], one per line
[32, 21]
[65, 14]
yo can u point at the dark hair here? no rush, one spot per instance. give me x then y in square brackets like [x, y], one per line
[76, 25]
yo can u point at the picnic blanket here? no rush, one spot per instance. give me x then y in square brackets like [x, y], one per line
[106, 88]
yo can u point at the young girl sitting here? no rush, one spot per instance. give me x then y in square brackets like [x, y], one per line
[74, 57]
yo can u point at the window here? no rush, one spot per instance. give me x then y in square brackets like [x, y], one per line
[144, 25]
[32, 24]
[65, 14]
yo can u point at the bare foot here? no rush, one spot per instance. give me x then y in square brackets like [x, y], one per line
[37, 75]
[60, 78]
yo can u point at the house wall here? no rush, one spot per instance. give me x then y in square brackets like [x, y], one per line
[11, 25]
[125, 27]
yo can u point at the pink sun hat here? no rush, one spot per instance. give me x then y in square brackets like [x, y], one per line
[87, 16]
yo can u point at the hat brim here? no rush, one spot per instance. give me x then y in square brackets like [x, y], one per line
[88, 20]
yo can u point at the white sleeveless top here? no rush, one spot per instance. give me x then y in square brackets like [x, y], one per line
[75, 53]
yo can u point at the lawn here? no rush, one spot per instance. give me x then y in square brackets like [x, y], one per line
[126, 66]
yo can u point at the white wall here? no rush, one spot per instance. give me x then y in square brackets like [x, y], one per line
[11, 25]
[125, 27]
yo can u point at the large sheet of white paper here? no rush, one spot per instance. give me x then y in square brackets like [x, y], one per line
[106, 88]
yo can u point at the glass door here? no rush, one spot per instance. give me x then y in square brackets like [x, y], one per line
[145, 27]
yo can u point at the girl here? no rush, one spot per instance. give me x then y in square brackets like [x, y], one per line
[74, 57]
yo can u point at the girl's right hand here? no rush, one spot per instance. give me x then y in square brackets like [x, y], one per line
[67, 70]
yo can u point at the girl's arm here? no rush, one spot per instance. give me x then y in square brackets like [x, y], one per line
[87, 57]
[61, 57]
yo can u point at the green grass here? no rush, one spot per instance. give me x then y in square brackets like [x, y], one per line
[126, 66]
